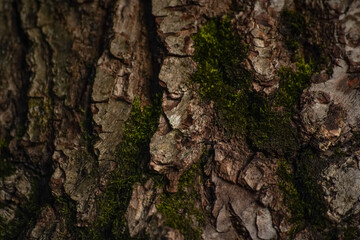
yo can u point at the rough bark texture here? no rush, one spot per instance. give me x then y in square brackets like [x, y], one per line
[74, 73]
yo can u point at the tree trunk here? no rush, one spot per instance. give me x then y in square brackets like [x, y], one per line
[179, 119]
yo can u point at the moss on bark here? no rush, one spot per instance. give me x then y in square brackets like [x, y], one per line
[132, 160]
[182, 209]
[267, 122]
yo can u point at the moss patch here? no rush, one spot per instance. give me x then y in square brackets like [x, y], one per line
[222, 78]
[298, 179]
[292, 197]
[270, 127]
[132, 159]
[180, 209]
[303, 196]
[292, 83]
[308, 167]
[270, 131]
[297, 31]
[219, 53]
[265, 121]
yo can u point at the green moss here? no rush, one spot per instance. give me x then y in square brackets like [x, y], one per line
[270, 125]
[292, 84]
[315, 55]
[265, 121]
[299, 173]
[297, 32]
[303, 196]
[308, 168]
[219, 53]
[292, 198]
[180, 209]
[269, 130]
[132, 158]
[297, 178]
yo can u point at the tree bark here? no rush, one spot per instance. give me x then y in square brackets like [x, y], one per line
[88, 151]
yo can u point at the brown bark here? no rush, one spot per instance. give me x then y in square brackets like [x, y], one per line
[70, 72]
